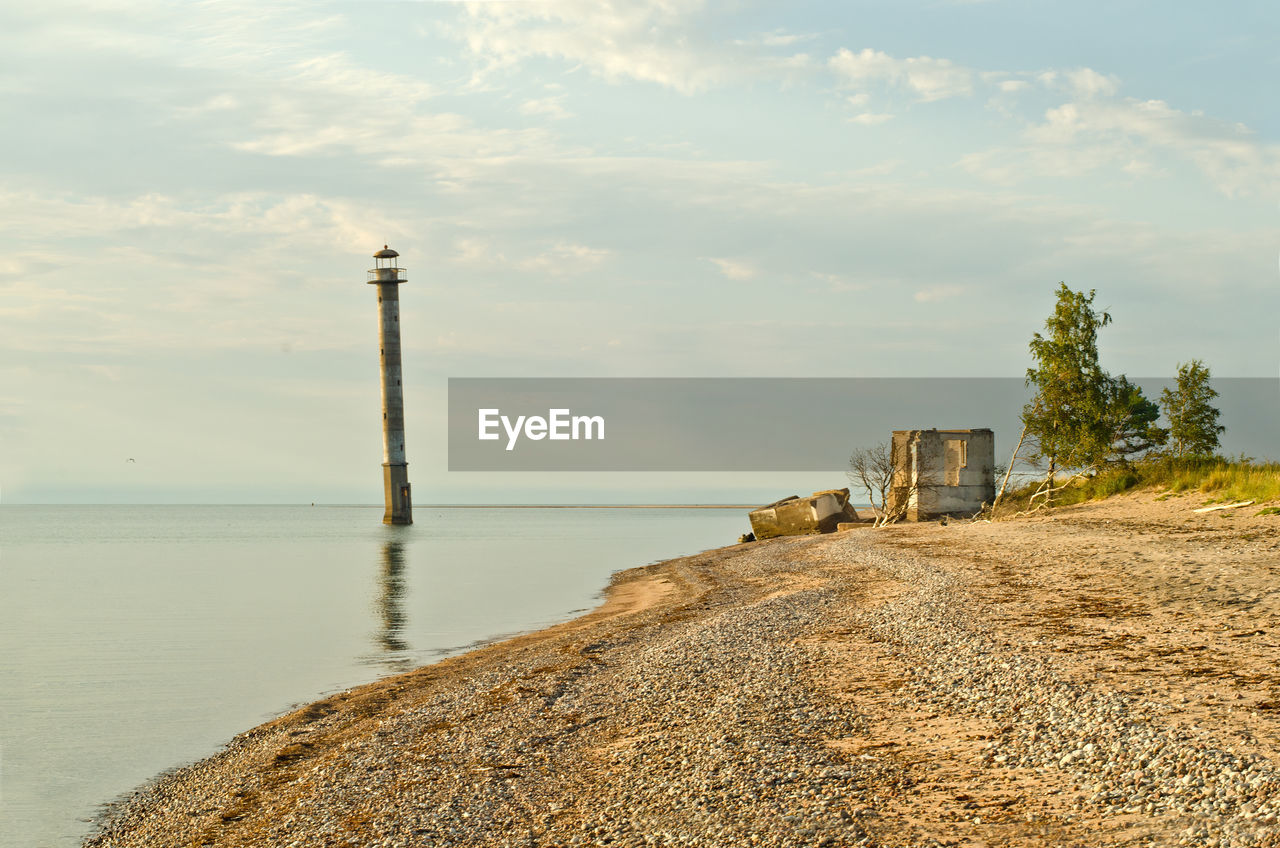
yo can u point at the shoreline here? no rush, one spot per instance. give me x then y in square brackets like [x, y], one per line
[630, 591]
[589, 506]
[976, 683]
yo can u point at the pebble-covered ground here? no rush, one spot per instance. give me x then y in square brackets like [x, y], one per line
[829, 690]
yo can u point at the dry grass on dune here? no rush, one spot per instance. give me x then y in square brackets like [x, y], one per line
[1217, 478]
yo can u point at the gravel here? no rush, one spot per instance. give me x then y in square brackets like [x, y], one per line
[1118, 752]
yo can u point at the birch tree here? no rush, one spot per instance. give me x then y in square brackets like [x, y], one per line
[1193, 420]
[1067, 417]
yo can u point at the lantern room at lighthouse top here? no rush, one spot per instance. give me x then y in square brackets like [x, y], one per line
[386, 267]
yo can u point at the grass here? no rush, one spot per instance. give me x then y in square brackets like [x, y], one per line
[1224, 479]
[1220, 479]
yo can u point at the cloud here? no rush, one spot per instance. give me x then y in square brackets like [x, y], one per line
[338, 75]
[1085, 135]
[646, 40]
[471, 250]
[559, 260]
[1009, 166]
[552, 107]
[216, 103]
[838, 283]
[871, 118]
[734, 269]
[321, 113]
[107, 372]
[879, 169]
[566, 259]
[1087, 83]
[777, 38]
[137, 227]
[665, 42]
[158, 272]
[940, 292]
[224, 78]
[929, 78]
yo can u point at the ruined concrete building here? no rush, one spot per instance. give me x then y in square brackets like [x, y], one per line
[821, 512]
[942, 472]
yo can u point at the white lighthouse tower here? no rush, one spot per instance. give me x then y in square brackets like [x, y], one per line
[387, 275]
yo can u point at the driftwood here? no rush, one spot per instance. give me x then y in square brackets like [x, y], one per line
[1235, 505]
[1012, 459]
[1043, 492]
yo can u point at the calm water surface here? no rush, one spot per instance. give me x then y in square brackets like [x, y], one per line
[134, 639]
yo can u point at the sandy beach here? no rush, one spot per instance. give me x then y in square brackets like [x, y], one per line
[1108, 674]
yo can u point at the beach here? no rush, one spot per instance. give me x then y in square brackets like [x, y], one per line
[1104, 674]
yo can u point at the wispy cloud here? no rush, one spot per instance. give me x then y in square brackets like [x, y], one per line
[935, 293]
[1087, 83]
[561, 259]
[567, 259]
[734, 269]
[551, 107]
[928, 78]
[838, 283]
[314, 113]
[777, 38]
[667, 42]
[1098, 131]
[648, 40]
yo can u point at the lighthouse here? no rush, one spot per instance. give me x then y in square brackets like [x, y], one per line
[387, 275]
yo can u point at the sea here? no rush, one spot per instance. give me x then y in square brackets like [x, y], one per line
[136, 639]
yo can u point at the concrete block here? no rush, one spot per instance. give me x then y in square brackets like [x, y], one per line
[795, 516]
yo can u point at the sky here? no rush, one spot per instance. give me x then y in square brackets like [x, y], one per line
[190, 194]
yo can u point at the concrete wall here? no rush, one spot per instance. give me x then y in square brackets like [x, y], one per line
[396, 495]
[794, 516]
[389, 359]
[399, 509]
[943, 472]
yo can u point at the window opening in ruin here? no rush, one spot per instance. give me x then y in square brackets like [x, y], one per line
[956, 454]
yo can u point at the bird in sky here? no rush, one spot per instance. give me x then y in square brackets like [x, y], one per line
[130, 459]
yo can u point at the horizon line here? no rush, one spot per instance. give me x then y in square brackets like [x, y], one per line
[428, 506]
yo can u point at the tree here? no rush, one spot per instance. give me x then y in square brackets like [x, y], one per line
[1131, 421]
[1193, 422]
[874, 470]
[1068, 416]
